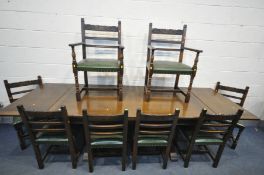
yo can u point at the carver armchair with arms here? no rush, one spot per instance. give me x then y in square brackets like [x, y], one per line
[88, 64]
[177, 67]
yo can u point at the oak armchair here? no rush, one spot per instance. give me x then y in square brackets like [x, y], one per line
[154, 66]
[89, 64]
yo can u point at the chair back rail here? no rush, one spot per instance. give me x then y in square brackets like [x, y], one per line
[10, 87]
[214, 125]
[177, 32]
[100, 28]
[39, 122]
[240, 94]
[105, 126]
[49, 128]
[154, 131]
[158, 125]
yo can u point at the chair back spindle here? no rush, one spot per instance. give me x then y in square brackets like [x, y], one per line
[12, 93]
[239, 95]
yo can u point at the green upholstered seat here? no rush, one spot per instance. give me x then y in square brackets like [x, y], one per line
[17, 120]
[202, 138]
[152, 140]
[169, 67]
[208, 140]
[105, 141]
[50, 138]
[98, 65]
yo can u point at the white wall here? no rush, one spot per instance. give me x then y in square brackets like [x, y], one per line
[34, 38]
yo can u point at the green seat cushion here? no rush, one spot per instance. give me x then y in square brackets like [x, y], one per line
[106, 141]
[52, 138]
[98, 65]
[202, 138]
[169, 67]
[17, 120]
[152, 140]
[208, 140]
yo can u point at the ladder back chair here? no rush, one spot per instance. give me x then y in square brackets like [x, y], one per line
[238, 96]
[209, 130]
[154, 131]
[177, 68]
[14, 92]
[105, 132]
[88, 64]
[50, 128]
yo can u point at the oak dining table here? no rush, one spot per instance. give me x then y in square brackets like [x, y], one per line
[54, 95]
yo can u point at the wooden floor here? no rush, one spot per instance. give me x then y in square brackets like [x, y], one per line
[53, 96]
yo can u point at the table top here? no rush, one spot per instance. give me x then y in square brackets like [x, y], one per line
[52, 96]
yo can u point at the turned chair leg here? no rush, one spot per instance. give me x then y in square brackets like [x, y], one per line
[146, 76]
[120, 86]
[78, 95]
[148, 87]
[177, 81]
[188, 94]
[85, 79]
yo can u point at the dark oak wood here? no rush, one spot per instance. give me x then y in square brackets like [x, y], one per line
[53, 96]
[150, 68]
[100, 28]
[13, 89]
[54, 124]
[220, 104]
[210, 130]
[167, 31]
[120, 56]
[239, 97]
[155, 126]
[108, 128]
[240, 94]
[40, 99]
[108, 104]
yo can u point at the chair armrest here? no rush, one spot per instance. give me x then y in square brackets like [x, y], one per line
[75, 44]
[151, 47]
[194, 50]
[120, 46]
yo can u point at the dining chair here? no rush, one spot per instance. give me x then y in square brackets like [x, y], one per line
[177, 67]
[208, 130]
[90, 64]
[238, 95]
[14, 91]
[49, 128]
[154, 131]
[105, 132]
